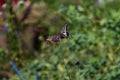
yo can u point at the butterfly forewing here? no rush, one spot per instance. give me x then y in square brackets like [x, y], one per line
[64, 29]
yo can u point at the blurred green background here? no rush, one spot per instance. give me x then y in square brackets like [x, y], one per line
[92, 53]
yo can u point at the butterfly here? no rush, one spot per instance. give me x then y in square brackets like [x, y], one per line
[64, 33]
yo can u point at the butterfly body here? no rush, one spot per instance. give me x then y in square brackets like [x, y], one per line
[64, 33]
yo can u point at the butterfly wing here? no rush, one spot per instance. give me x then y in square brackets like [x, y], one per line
[64, 29]
[64, 33]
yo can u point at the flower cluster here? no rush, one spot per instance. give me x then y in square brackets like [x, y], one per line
[53, 39]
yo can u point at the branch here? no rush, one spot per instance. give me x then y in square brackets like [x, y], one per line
[27, 12]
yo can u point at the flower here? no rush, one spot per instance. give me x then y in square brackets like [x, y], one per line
[6, 27]
[53, 39]
[48, 41]
[1, 3]
[56, 39]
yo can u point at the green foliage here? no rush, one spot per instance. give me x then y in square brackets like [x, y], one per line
[3, 54]
[95, 43]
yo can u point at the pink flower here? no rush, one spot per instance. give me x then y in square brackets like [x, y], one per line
[56, 39]
[1, 3]
[53, 39]
[48, 41]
